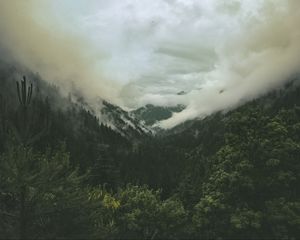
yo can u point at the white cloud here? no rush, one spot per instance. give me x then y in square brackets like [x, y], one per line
[147, 51]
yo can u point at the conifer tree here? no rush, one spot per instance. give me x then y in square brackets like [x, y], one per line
[40, 192]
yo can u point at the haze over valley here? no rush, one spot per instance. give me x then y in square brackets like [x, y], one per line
[161, 119]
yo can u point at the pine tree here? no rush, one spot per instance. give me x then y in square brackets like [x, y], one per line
[39, 192]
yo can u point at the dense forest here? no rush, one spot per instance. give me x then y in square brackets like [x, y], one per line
[66, 175]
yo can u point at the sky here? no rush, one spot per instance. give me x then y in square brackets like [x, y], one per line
[217, 53]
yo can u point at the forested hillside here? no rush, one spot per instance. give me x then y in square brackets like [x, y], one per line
[66, 175]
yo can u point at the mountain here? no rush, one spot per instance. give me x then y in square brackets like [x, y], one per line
[123, 122]
[130, 124]
[136, 123]
[212, 127]
[230, 175]
[151, 114]
[232, 169]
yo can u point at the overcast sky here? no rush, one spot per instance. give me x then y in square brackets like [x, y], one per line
[134, 52]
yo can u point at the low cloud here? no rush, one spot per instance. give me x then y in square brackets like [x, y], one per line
[221, 53]
[264, 54]
[59, 55]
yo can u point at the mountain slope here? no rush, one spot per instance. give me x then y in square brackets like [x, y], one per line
[123, 122]
[232, 175]
[238, 173]
[151, 114]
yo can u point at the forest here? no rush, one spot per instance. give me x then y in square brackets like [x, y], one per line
[66, 175]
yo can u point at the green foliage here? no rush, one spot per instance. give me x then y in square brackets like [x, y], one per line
[135, 212]
[143, 215]
[39, 194]
[210, 216]
[138, 212]
[257, 164]
[104, 206]
[283, 218]
[228, 176]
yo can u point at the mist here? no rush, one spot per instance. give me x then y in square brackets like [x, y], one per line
[60, 56]
[264, 55]
[131, 53]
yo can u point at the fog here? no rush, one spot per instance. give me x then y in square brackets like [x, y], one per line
[261, 57]
[59, 55]
[220, 53]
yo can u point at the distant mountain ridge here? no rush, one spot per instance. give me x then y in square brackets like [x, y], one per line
[151, 114]
[137, 122]
[122, 121]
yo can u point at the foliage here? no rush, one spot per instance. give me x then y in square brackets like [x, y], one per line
[143, 215]
[231, 175]
[40, 193]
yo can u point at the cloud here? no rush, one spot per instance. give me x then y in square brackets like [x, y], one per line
[33, 37]
[133, 52]
[160, 48]
[261, 56]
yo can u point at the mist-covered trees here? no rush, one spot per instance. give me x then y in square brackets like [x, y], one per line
[228, 176]
[39, 191]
